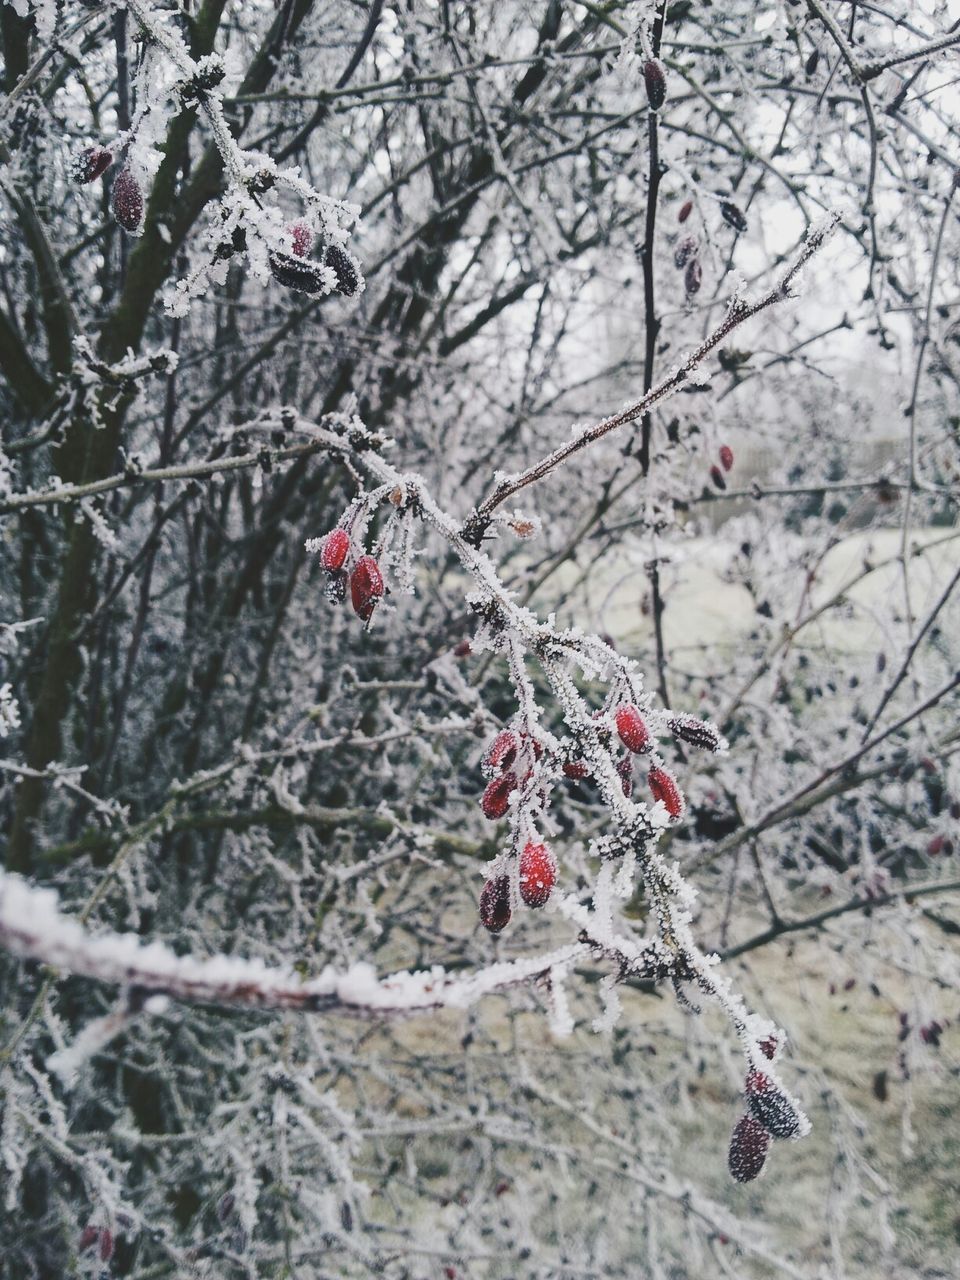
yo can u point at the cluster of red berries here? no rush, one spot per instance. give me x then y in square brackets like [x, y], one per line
[126, 198]
[508, 763]
[771, 1114]
[726, 462]
[365, 579]
[102, 1237]
[686, 256]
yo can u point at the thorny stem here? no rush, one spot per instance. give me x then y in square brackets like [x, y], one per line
[737, 313]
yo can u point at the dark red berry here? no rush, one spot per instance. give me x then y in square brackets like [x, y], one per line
[88, 1237]
[716, 475]
[699, 733]
[773, 1109]
[297, 273]
[685, 210]
[302, 238]
[684, 251]
[366, 587]
[462, 649]
[656, 83]
[733, 216]
[106, 1244]
[496, 796]
[726, 457]
[495, 904]
[538, 874]
[501, 753]
[575, 769]
[344, 268]
[126, 200]
[663, 786]
[631, 728]
[693, 277]
[90, 164]
[336, 546]
[748, 1149]
[935, 846]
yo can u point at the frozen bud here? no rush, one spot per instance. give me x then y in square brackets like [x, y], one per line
[496, 795]
[748, 1149]
[685, 210]
[336, 546]
[716, 475]
[663, 786]
[625, 770]
[396, 496]
[501, 753]
[366, 587]
[538, 874]
[726, 457]
[126, 200]
[302, 238]
[523, 528]
[297, 273]
[90, 164]
[770, 1107]
[733, 215]
[344, 268]
[631, 728]
[699, 733]
[575, 769]
[656, 83]
[693, 277]
[495, 904]
[684, 251]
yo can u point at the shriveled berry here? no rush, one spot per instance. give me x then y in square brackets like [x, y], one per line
[302, 238]
[699, 733]
[655, 82]
[693, 277]
[726, 457]
[297, 273]
[733, 215]
[768, 1047]
[538, 874]
[496, 796]
[663, 786]
[625, 770]
[344, 268]
[631, 728]
[90, 164]
[495, 904]
[716, 475]
[575, 769]
[773, 1109]
[685, 210]
[501, 753]
[126, 200]
[684, 251]
[336, 546]
[748, 1149]
[366, 587]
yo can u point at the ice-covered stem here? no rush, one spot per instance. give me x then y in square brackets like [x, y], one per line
[738, 311]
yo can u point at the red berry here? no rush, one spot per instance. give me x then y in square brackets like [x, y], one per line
[693, 277]
[366, 587]
[685, 210]
[656, 83]
[336, 545]
[748, 1149]
[716, 475]
[501, 753]
[463, 649]
[496, 796]
[770, 1107]
[684, 251]
[576, 769]
[663, 786]
[631, 728]
[106, 1244]
[726, 457]
[538, 874]
[935, 846]
[90, 164]
[88, 1236]
[126, 200]
[302, 238]
[495, 904]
